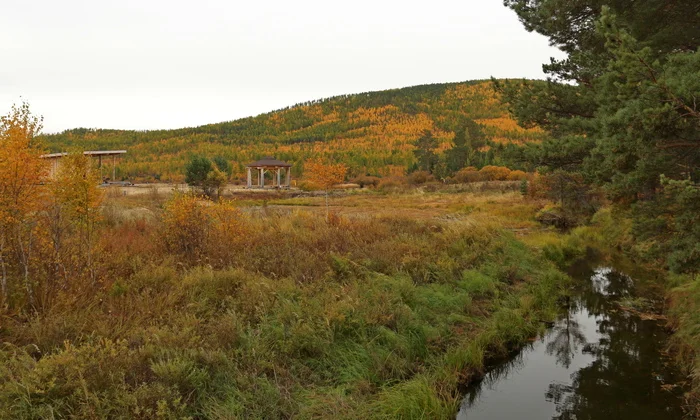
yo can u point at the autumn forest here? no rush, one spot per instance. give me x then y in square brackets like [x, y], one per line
[374, 133]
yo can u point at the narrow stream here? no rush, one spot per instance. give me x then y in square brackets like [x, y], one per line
[596, 362]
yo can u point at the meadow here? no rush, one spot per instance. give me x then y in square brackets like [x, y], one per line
[265, 305]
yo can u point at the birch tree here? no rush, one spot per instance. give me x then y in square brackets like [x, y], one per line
[22, 174]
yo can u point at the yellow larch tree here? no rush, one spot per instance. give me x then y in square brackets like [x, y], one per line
[22, 175]
[324, 176]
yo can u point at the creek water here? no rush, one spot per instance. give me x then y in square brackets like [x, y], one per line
[597, 361]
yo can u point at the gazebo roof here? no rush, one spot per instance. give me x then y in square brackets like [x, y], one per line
[269, 161]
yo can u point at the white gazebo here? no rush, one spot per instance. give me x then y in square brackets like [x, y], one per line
[266, 164]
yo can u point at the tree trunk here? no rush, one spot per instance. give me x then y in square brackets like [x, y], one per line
[3, 279]
[91, 269]
[24, 260]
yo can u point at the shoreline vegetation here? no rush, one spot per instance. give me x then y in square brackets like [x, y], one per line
[684, 319]
[208, 311]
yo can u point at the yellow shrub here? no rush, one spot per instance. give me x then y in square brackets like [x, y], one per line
[194, 228]
[494, 173]
[516, 176]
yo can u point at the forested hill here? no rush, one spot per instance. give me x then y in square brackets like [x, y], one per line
[371, 132]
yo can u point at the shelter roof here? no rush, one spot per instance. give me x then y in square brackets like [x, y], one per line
[87, 153]
[104, 152]
[269, 161]
[53, 155]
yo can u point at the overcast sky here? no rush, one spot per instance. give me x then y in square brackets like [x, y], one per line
[145, 64]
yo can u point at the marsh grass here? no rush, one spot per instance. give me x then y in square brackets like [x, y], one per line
[376, 313]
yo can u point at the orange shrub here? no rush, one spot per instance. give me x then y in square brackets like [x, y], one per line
[468, 174]
[494, 173]
[420, 177]
[516, 176]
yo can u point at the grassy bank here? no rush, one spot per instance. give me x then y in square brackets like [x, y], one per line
[684, 299]
[212, 311]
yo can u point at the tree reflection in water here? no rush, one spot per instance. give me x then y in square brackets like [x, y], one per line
[497, 373]
[565, 340]
[623, 381]
[605, 363]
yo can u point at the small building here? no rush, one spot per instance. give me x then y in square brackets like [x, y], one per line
[270, 164]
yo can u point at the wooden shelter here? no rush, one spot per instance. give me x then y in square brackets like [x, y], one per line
[55, 159]
[270, 164]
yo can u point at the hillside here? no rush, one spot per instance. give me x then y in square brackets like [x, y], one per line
[371, 132]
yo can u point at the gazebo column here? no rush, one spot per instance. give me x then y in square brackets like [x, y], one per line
[250, 179]
[289, 177]
[279, 177]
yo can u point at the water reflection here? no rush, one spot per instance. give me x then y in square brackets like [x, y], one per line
[565, 340]
[597, 362]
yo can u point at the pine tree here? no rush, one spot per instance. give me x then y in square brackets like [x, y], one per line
[197, 170]
[622, 108]
[425, 151]
[458, 156]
